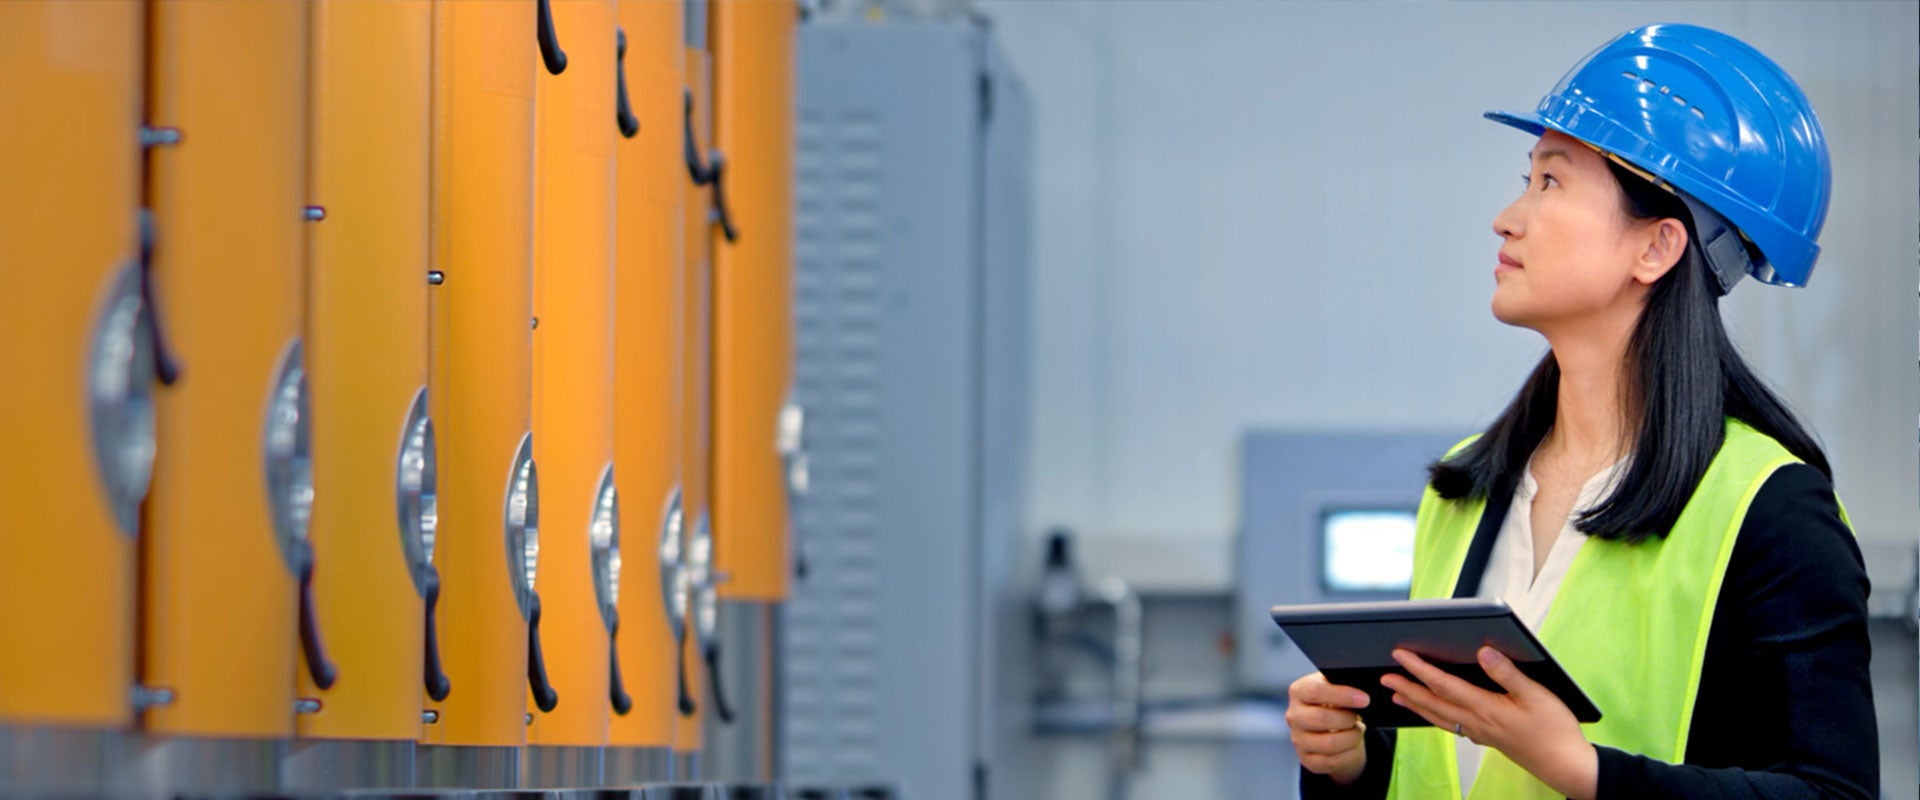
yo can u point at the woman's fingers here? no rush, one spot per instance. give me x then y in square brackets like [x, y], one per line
[1326, 735]
[1442, 721]
[1320, 719]
[1328, 744]
[1423, 701]
[1315, 690]
[1446, 686]
[1326, 765]
[1504, 672]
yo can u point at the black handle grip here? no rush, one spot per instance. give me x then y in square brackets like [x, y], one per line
[164, 366]
[437, 684]
[318, 664]
[544, 697]
[717, 169]
[720, 704]
[687, 707]
[616, 687]
[622, 110]
[695, 170]
[550, 52]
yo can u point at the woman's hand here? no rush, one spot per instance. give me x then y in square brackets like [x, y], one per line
[1528, 723]
[1329, 737]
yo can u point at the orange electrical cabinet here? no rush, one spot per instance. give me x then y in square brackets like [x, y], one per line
[366, 340]
[696, 366]
[573, 238]
[480, 320]
[753, 83]
[76, 353]
[226, 521]
[651, 176]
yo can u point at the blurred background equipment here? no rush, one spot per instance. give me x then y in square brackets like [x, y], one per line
[1325, 517]
[805, 399]
[903, 652]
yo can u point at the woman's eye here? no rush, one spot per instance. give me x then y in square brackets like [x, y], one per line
[1547, 181]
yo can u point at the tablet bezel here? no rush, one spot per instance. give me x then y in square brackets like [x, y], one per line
[1498, 623]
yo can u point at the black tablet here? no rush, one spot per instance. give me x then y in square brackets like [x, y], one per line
[1352, 644]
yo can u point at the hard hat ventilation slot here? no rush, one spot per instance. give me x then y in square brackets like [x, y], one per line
[1647, 84]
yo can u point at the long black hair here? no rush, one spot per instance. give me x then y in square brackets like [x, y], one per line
[1683, 379]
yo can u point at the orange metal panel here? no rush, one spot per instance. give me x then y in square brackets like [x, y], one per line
[573, 361]
[753, 79]
[484, 62]
[366, 352]
[651, 176]
[70, 86]
[696, 367]
[219, 608]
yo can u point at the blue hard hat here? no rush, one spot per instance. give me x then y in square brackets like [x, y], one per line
[1705, 114]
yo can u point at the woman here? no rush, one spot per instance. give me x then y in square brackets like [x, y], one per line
[1653, 512]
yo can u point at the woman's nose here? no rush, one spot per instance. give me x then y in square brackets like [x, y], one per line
[1506, 224]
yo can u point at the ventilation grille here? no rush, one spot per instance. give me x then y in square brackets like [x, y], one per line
[831, 645]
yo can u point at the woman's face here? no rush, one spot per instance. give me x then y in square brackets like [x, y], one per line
[1571, 256]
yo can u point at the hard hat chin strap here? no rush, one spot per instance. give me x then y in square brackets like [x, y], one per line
[1720, 244]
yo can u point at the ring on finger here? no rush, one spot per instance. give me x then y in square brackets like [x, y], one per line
[1456, 729]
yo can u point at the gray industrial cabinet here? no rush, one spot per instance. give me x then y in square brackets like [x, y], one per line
[904, 647]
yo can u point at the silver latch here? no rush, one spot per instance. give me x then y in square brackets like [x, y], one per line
[145, 697]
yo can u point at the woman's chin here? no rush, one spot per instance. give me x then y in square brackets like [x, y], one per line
[1510, 312]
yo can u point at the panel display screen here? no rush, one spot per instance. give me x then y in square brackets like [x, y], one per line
[1366, 550]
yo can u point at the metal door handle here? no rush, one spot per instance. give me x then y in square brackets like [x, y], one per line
[165, 367]
[687, 707]
[709, 173]
[544, 697]
[550, 52]
[622, 110]
[436, 680]
[717, 172]
[616, 687]
[720, 704]
[318, 664]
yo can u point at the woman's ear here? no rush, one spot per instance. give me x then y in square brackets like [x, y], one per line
[1666, 243]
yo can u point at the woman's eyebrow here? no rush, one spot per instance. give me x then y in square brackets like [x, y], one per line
[1550, 152]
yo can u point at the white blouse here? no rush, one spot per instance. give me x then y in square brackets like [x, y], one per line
[1510, 577]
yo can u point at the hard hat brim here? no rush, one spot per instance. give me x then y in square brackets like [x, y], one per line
[1529, 122]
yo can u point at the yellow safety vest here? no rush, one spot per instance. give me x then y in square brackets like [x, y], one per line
[1629, 623]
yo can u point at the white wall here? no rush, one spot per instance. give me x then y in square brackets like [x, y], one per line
[1278, 214]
